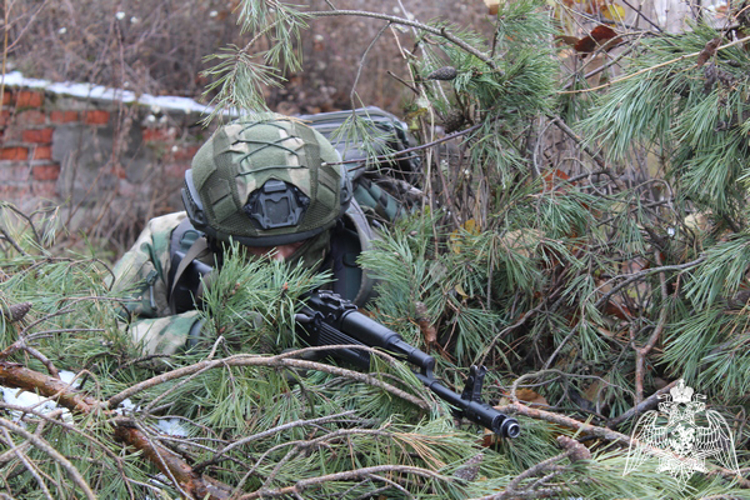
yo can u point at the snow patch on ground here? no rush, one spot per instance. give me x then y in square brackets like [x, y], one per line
[172, 427]
[31, 401]
[18, 397]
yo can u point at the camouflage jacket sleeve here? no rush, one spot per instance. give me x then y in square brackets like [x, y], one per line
[142, 277]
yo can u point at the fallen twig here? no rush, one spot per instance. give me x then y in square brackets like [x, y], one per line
[172, 465]
[281, 360]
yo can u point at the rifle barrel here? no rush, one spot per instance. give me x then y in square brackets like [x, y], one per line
[331, 320]
[475, 411]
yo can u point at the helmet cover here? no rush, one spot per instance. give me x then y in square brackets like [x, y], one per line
[266, 182]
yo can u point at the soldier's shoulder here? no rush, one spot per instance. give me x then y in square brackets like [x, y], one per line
[165, 223]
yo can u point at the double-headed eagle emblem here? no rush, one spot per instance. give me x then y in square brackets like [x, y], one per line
[683, 434]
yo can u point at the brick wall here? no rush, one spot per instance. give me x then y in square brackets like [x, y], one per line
[26, 166]
[87, 156]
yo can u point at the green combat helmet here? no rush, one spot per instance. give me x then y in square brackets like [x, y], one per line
[266, 183]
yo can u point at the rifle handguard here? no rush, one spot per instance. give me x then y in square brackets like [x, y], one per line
[330, 320]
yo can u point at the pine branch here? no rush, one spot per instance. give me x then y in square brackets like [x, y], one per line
[595, 155]
[361, 65]
[363, 473]
[601, 432]
[647, 404]
[45, 447]
[442, 32]
[513, 491]
[269, 432]
[24, 216]
[568, 422]
[282, 360]
[642, 352]
[53, 418]
[170, 463]
[7, 237]
[18, 452]
[654, 67]
[642, 274]
[14, 375]
[406, 153]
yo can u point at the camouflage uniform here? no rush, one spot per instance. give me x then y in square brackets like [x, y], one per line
[261, 182]
[143, 274]
[146, 267]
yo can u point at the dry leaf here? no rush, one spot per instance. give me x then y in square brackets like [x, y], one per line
[425, 325]
[489, 438]
[708, 51]
[567, 39]
[531, 397]
[613, 12]
[592, 391]
[456, 237]
[552, 180]
[601, 36]
[493, 6]
[522, 241]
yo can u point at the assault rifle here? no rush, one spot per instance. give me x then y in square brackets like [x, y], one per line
[329, 320]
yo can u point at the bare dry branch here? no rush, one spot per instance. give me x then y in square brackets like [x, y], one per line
[281, 360]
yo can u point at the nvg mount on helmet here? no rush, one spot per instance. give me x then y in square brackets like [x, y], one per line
[276, 204]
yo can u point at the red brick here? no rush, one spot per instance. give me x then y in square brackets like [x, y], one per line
[14, 154]
[38, 136]
[63, 116]
[42, 153]
[14, 173]
[96, 117]
[158, 134]
[29, 99]
[4, 118]
[46, 172]
[45, 190]
[12, 134]
[31, 117]
[7, 97]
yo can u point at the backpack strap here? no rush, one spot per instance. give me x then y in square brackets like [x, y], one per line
[348, 240]
[187, 245]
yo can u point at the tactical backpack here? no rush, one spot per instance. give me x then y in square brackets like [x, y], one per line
[382, 186]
